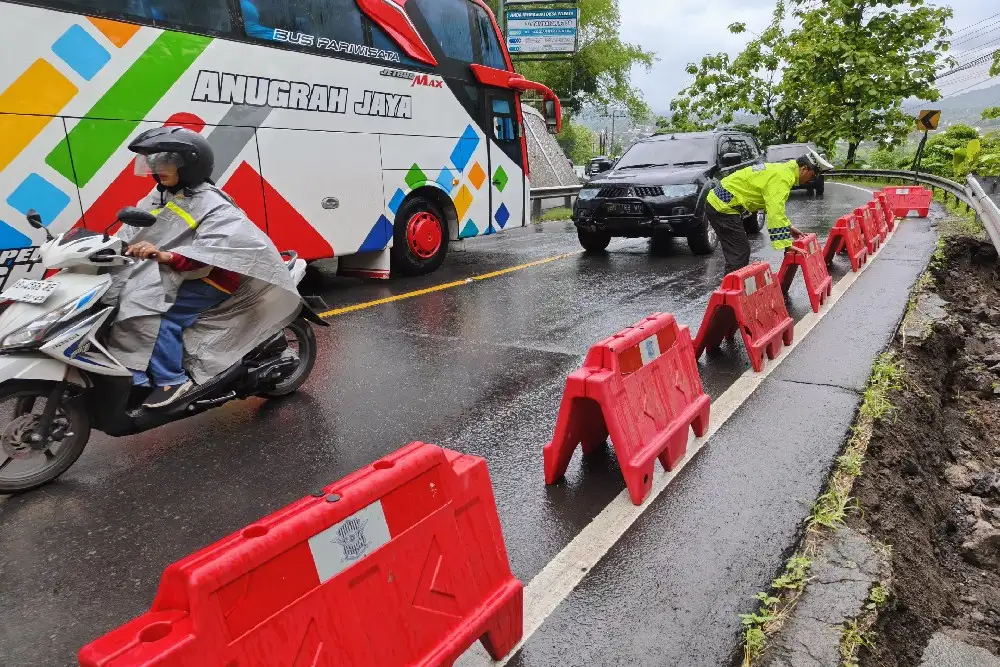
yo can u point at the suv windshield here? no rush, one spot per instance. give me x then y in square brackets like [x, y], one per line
[785, 153]
[669, 152]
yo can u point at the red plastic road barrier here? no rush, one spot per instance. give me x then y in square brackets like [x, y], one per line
[401, 563]
[890, 215]
[846, 235]
[642, 387]
[906, 199]
[819, 284]
[878, 215]
[751, 302]
[869, 229]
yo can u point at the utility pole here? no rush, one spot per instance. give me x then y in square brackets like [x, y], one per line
[614, 117]
[502, 17]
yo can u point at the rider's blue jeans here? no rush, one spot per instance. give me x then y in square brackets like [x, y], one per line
[166, 365]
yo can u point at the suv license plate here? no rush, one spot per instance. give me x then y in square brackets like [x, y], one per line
[625, 209]
[30, 291]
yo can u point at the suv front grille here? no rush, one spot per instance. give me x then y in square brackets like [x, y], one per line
[615, 192]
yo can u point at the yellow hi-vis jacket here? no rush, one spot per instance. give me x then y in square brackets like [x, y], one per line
[762, 187]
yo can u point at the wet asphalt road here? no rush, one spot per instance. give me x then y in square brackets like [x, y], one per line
[478, 368]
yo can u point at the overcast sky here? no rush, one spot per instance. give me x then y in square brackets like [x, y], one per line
[682, 31]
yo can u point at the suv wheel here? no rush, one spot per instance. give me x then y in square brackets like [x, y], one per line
[593, 241]
[704, 241]
[753, 224]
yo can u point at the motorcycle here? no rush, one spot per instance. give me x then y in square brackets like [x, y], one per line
[58, 381]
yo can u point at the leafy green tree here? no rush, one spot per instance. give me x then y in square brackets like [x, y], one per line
[576, 141]
[857, 60]
[993, 112]
[750, 83]
[676, 124]
[599, 74]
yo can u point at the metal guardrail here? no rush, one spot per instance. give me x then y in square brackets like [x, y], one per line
[988, 210]
[566, 192]
[971, 194]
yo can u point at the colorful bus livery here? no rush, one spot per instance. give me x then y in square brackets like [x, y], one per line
[378, 155]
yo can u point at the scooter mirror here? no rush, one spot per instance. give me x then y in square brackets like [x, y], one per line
[34, 219]
[136, 217]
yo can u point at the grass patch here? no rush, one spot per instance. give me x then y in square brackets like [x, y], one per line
[963, 221]
[774, 609]
[829, 514]
[853, 639]
[561, 213]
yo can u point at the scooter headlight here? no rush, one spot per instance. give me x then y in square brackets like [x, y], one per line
[36, 331]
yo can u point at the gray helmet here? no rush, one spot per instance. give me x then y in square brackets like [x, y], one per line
[186, 149]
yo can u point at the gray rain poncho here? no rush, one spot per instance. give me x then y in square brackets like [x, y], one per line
[208, 228]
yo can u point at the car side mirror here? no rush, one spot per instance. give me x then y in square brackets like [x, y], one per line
[34, 219]
[136, 217]
[551, 116]
[731, 159]
[603, 167]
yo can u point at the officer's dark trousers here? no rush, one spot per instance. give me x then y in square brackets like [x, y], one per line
[732, 237]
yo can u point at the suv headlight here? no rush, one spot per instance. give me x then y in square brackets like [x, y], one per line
[588, 193]
[675, 191]
[36, 331]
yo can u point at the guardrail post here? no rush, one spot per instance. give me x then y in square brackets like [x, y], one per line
[568, 203]
[536, 208]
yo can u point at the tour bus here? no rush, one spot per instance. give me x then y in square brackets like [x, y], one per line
[373, 131]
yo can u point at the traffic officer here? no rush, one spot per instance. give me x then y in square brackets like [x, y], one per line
[762, 187]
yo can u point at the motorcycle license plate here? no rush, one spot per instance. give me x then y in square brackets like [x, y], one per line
[624, 209]
[30, 291]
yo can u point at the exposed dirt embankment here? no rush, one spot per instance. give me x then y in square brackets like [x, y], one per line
[931, 482]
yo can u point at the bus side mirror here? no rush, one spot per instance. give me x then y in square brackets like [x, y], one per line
[551, 116]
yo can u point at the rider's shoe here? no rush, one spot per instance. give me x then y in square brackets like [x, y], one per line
[164, 396]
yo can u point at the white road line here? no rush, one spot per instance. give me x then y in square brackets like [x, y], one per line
[849, 185]
[565, 572]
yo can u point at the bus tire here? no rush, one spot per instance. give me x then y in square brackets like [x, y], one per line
[420, 237]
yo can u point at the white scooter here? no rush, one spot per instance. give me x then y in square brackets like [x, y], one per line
[57, 380]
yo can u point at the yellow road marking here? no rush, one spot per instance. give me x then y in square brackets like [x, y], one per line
[444, 286]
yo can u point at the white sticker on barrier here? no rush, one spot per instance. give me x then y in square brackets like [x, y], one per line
[344, 544]
[649, 349]
[902, 191]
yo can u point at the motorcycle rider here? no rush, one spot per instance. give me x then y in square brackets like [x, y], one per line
[213, 268]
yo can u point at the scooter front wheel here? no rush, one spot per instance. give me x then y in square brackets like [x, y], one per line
[25, 465]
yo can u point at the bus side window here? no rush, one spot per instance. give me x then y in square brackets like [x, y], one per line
[203, 16]
[309, 23]
[503, 121]
[489, 46]
[380, 40]
[451, 23]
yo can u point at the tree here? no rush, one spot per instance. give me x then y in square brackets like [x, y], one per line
[599, 74]
[677, 123]
[857, 60]
[751, 83]
[576, 141]
[993, 112]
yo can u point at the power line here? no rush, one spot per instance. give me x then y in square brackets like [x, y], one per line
[950, 95]
[976, 35]
[970, 27]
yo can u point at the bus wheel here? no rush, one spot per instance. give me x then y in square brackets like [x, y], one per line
[420, 239]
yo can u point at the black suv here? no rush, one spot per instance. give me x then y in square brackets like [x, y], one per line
[658, 189]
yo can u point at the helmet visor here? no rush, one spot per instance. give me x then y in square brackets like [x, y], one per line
[148, 165]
